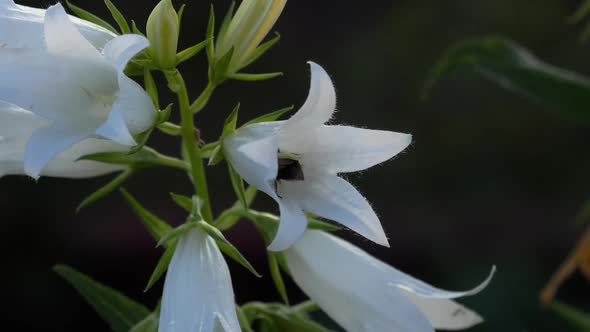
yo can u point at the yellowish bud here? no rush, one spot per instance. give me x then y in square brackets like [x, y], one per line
[162, 32]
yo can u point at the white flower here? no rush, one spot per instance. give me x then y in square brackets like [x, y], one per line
[81, 91]
[16, 128]
[297, 163]
[22, 27]
[198, 294]
[363, 294]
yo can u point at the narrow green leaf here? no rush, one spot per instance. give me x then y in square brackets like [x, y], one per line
[190, 52]
[177, 232]
[226, 21]
[512, 67]
[170, 128]
[227, 247]
[277, 277]
[156, 226]
[88, 16]
[118, 16]
[148, 324]
[221, 68]
[253, 77]
[261, 50]
[231, 122]
[210, 37]
[273, 116]
[216, 157]
[135, 29]
[238, 185]
[105, 190]
[151, 87]
[164, 115]
[162, 266]
[180, 13]
[141, 140]
[120, 312]
[184, 202]
[573, 315]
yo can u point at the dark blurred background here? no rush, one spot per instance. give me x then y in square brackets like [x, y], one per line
[490, 178]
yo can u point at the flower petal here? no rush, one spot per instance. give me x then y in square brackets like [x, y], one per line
[115, 128]
[46, 143]
[198, 293]
[292, 225]
[348, 149]
[445, 314]
[120, 50]
[62, 36]
[319, 106]
[253, 152]
[137, 107]
[333, 198]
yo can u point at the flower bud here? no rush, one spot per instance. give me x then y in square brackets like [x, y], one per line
[162, 32]
[249, 26]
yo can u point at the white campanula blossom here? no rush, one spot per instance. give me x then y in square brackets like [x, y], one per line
[198, 294]
[297, 163]
[363, 294]
[81, 91]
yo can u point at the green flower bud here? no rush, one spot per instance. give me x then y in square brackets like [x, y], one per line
[162, 32]
[249, 26]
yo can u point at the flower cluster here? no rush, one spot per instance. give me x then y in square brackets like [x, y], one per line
[68, 108]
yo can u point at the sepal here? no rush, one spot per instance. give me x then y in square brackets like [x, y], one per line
[118, 17]
[105, 190]
[88, 16]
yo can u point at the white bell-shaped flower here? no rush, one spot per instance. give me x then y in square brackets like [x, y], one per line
[22, 27]
[16, 128]
[297, 163]
[363, 294]
[81, 91]
[198, 294]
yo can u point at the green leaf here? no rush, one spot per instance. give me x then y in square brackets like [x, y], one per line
[261, 50]
[273, 116]
[573, 315]
[177, 232]
[164, 115]
[120, 312]
[151, 87]
[208, 149]
[229, 218]
[148, 324]
[162, 266]
[184, 202]
[227, 247]
[221, 68]
[118, 16]
[135, 29]
[216, 157]
[170, 128]
[277, 277]
[88, 16]
[243, 320]
[226, 21]
[180, 13]
[190, 52]
[253, 77]
[238, 185]
[210, 37]
[141, 140]
[156, 226]
[105, 190]
[229, 127]
[511, 66]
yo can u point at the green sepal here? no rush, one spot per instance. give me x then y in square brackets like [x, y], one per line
[277, 277]
[88, 16]
[226, 21]
[148, 324]
[120, 312]
[216, 157]
[220, 71]
[245, 323]
[105, 190]
[208, 149]
[253, 77]
[162, 266]
[164, 115]
[190, 52]
[141, 140]
[514, 68]
[261, 50]
[229, 128]
[238, 185]
[118, 16]
[273, 116]
[155, 226]
[228, 218]
[210, 37]
[144, 158]
[180, 14]
[135, 29]
[170, 129]
[573, 315]
[280, 318]
[151, 87]
[184, 202]
[227, 248]
[177, 232]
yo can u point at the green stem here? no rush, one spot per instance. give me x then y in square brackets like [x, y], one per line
[203, 99]
[191, 146]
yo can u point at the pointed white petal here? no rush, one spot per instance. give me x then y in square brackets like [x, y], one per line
[121, 49]
[348, 149]
[45, 144]
[445, 314]
[253, 152]
[115, 128]
[62, 36]
[292, 225]
[198, 290]
[135, 104]
[319, 106]
[333, 198]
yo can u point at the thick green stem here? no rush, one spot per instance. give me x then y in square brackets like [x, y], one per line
[191, 146]
[203, 99]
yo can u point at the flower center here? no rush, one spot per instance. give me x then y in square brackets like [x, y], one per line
[289, 169]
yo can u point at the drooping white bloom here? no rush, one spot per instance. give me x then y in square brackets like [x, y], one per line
[22, 27]
[16, 128]
[363, 294]
[198, 294]
[297, 163]
[82, 92]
